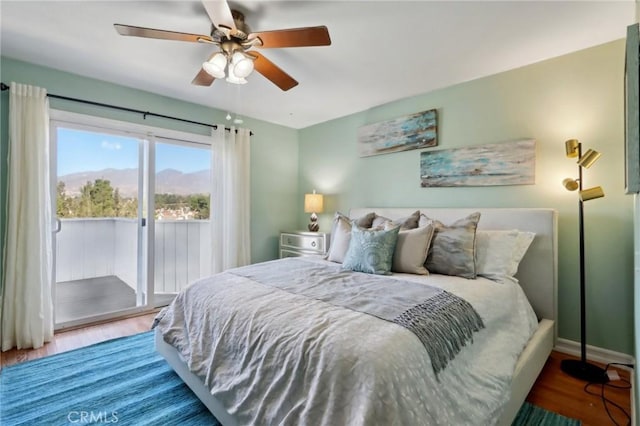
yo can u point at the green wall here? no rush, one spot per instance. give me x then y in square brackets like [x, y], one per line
[274, 148]
[574, 96]
[579, 95]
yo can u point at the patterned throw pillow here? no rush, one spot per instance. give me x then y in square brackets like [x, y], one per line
[453, 247]
[371, 251]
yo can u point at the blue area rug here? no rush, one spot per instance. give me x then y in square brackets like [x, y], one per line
[121, 381]
[125, 382]
[530, 415]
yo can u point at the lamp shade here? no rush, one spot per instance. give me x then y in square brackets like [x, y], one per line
[591, 193]
[233, 78]
[571, 147]
[313, 203]
[589, 157]
[242, 65]
[216, 65]
[570, 184]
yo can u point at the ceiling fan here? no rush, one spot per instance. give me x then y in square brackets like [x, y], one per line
[235, 42]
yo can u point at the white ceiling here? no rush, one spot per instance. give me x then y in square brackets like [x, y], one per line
[381, 50]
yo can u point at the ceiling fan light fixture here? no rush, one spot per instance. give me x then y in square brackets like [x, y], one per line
[232, 77]
[216, 65]
[242, 64]
[236, 80]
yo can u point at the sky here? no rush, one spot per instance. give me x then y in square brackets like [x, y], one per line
[81, 151]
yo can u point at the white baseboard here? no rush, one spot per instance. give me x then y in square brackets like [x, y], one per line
[594, 353]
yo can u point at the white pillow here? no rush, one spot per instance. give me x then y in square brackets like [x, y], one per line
[340, 239]
[499, 252]
[341, 234]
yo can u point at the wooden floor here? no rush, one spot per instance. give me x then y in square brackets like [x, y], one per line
[560, 393]
[553, 390]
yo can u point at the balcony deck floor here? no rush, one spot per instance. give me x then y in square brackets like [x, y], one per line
[93, 296]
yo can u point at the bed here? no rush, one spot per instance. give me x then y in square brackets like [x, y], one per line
[468, 389]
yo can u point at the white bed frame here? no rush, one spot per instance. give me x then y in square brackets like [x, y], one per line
[538, 276]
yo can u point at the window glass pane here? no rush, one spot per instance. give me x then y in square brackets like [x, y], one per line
[183, 176]
[97, 175]
[182, 229]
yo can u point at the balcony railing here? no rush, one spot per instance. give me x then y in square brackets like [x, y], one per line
[97, 247]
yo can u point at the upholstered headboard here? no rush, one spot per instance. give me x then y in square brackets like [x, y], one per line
[538, 271]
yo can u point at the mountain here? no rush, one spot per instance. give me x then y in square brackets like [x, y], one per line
[168, 181]
[171, 181]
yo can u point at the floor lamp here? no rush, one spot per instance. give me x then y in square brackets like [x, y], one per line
[582, 369]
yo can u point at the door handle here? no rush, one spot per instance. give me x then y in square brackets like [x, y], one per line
[58, 226]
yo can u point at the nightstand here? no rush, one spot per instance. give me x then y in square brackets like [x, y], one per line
[303, 243]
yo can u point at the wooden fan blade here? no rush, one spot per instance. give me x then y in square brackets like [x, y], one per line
[294, 37]
[272, 72]
[203, 78]
[128, 30]
[220, 14]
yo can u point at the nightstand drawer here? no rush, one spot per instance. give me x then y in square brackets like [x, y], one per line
[292, 253]
[303, 242]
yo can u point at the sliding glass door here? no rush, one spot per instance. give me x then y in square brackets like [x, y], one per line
[132, 216]
[98, 240]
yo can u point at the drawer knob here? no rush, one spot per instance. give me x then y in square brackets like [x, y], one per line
[313, 243]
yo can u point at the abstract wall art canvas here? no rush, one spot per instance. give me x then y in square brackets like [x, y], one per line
[413, 131]
[509, 163]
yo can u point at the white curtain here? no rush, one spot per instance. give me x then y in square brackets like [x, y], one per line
[230, 218]
[27, 308]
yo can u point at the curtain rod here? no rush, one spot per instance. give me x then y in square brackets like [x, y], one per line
[4, 87]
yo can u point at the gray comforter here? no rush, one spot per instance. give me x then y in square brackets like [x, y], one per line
[442, 321]
[276, 357]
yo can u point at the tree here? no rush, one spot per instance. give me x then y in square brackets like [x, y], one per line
[63, 202]
[199, 204]
[117, 202]
[100, 199]
[97, 199]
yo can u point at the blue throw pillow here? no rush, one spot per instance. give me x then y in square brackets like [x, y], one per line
[371, 251]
